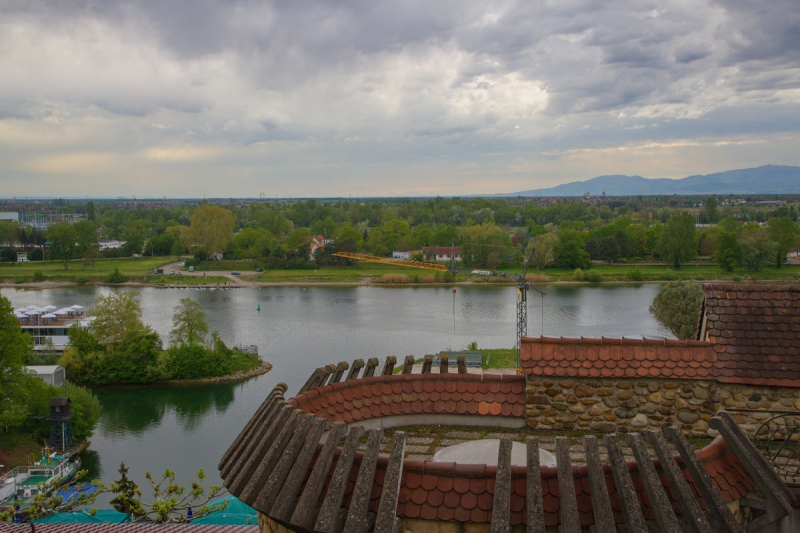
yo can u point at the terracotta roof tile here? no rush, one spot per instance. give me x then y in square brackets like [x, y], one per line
[621, 358]
[755, 327]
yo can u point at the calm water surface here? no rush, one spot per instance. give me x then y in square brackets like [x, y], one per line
[298, 329]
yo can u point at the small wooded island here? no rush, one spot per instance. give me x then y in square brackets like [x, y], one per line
[116, 347]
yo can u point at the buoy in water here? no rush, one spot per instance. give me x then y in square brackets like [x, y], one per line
[258, 308]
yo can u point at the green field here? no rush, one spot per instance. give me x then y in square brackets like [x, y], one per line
[340, 274]
[686, 272]
[360, 271]
[167, 279]
[80, 271]
[138, 270]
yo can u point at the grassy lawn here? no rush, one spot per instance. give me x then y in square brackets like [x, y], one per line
[167, 279]
[339, 274]
[225, 265]
[686, 272]
[15, 449]
[360, 271]
[78, 271]
[499, 358]
[138, 269]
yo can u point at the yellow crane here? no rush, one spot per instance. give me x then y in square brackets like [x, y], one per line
[389, 261]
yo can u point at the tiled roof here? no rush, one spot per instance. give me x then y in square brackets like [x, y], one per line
[126, 528]
[402, 394]
[465, 493]
[755, 332]
[426, 489]
[618, 358]
[448, 491]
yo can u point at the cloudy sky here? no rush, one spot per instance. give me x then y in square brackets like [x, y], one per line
[237, 98]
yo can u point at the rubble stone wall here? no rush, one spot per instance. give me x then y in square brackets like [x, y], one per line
[621, 405]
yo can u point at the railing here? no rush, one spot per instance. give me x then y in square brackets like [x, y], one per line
[13, 473]
[778, 439]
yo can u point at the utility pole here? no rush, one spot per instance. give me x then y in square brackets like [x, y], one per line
[454, 310]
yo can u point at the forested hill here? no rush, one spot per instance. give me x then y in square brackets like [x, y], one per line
[769, 179]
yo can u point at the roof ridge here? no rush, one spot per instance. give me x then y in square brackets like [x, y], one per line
[750, 287]
[616, 341]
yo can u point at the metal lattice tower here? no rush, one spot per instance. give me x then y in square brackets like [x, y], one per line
[61, 434]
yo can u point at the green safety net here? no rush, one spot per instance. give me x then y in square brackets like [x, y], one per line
[108, 516]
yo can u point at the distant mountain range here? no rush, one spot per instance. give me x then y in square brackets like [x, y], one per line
[769, 179]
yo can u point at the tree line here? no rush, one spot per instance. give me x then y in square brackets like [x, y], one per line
[492, 233]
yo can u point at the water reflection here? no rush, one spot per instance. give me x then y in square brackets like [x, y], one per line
[90, 461]
[134, 409]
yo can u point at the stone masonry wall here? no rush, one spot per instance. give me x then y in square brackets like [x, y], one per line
[621, 405]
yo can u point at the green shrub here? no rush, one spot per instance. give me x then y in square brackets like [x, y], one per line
[39, 276]
[116, 277]
[130, 362]
[81, 279]
[594, 276]
[197, 361]
[634, 274]
[669, 275]
[22, 279]
[736, 277]
[578, 275]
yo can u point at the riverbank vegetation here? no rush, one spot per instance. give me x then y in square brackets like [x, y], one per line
[677, 308]
[24, 395]
[738, 236]
[120, 348]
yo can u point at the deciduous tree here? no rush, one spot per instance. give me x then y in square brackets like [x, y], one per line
[115, 315]
[189, 324]
[544, 247]
[783, 233]
[729, 253]
[211, 230]
[569, 252]
[757, 249]
[677, 307]
[63, 240]
[679, 241]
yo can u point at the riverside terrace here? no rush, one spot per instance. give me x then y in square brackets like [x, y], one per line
[313, 463]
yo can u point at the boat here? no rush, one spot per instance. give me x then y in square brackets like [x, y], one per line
[48, 326]
[25, 482]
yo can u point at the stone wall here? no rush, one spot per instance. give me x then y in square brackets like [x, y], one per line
[621, 405]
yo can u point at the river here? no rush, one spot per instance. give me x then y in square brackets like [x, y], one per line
[297, 329]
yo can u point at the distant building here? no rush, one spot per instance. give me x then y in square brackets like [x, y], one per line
[442, 253]
[54, 375]
[401, 254]
[9, 216]
[110, 244]
[317, 242]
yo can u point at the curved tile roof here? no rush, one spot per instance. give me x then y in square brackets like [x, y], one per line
[402, 394]
[443, 491]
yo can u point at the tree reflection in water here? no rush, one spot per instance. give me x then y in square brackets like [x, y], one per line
[131, 410]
